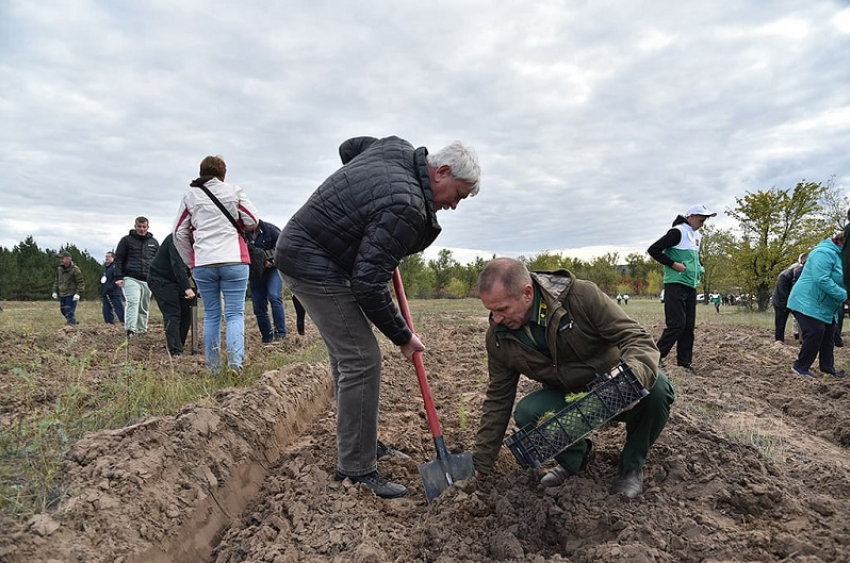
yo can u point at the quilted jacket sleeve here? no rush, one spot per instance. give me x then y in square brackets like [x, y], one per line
[360, 222]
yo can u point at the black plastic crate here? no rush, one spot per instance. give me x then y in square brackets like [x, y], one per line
[607, 397]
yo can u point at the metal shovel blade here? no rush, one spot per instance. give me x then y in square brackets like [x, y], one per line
[443, 472]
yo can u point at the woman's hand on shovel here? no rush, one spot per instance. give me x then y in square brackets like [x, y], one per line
[414, 345]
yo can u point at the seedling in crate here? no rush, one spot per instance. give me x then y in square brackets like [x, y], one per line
[611, 394]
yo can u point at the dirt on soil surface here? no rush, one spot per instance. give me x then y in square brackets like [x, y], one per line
[752, 466]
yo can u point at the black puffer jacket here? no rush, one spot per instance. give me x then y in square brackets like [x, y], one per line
[359, 224]
[133, 256]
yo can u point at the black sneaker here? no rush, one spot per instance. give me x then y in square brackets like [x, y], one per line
[379, 484]
[130, 334]
[384, 450]
[802, 371]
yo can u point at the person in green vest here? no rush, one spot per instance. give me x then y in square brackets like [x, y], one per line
[678, 251]
[715, 299]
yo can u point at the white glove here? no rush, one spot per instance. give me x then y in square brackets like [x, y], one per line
[55, 296]
[76, 297]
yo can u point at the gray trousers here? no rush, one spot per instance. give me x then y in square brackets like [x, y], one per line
[355, 359]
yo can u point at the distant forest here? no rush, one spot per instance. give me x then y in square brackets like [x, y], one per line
[27, 272]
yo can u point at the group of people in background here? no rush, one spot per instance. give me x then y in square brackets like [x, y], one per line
[813, 291]
[206, 254]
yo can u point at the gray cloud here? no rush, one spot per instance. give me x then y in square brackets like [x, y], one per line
[595, 123]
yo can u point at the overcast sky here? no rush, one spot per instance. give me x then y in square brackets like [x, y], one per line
[595, 123]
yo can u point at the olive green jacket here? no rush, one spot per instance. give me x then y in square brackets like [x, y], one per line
[587, 334]
[68, 281]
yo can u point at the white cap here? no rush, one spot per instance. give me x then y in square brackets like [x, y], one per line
[699, 209]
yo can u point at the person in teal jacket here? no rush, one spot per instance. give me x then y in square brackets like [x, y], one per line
[678, 251]
[815, 301]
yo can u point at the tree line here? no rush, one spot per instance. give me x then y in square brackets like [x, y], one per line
[773, 228]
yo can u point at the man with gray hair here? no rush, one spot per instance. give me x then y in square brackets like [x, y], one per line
[337, 255]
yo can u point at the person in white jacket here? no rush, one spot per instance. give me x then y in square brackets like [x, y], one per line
[212, 246]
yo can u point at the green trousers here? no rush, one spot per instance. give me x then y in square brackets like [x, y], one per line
[644, 423]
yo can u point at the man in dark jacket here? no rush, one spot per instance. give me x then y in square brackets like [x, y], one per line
[779, 300]
[269, 287]
[337, 255]
[133, 257]
[111, 297]
[174, 290]
[562, 332]
[68, 286]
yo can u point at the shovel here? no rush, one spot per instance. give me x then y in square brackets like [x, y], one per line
[194, 309]
[441, 473]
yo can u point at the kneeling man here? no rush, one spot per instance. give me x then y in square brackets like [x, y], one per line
[562, 331]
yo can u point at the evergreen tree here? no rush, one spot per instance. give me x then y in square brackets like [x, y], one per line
[36, 271]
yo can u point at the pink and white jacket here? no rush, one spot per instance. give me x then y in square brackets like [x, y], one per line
[203, 235]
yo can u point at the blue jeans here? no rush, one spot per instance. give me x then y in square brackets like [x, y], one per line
[230, 280]
[264, 291]
[68, 307]
[113, 301]
[355, 359]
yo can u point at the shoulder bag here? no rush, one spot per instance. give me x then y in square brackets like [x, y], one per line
[258, 258]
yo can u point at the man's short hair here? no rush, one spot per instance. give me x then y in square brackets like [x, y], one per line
[141, 220]
[463, 162]
[509, 272]
[213, 166]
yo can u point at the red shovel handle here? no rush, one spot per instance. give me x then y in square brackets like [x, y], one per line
[430, 411]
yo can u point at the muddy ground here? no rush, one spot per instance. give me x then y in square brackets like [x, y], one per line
[753, 466]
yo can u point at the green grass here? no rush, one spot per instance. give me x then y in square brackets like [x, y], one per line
[63, 386]
[645, 311]
[649, 312]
